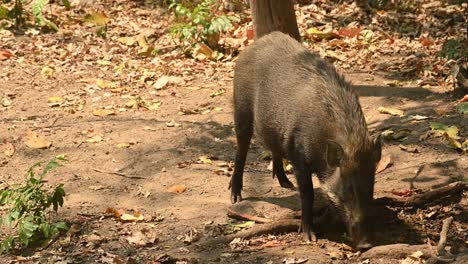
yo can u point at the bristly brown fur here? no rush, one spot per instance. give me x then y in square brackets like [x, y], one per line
[303, 110]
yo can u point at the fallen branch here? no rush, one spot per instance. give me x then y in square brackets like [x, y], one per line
[397, 251]
[441, 255]
[246, 217]
[117, 173]
[422, 199]
[443, 237]
[276, 227]
[403, 250]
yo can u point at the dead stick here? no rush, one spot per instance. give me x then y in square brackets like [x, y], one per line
[246, 217]
[424, 198]
[276, 227]
[395, 251]
[117, 173]
[443, 236]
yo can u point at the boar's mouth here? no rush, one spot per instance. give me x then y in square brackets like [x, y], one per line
[352, 207]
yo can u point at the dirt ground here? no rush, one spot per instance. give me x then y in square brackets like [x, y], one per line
[161, 148]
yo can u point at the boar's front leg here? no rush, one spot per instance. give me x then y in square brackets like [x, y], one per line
[306, 190]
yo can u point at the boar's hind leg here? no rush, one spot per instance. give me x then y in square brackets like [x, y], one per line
[306, 190]
[278, 170]
[244, 131]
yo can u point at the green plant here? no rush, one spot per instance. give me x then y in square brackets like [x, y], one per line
[454, 49]
[29, 207]
[200, 23]
[16, 12]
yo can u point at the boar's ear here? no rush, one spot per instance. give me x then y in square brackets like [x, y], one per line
[377, 147]
[334, 153]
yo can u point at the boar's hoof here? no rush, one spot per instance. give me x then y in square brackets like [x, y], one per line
[235, 198]
[308, 234]
[287, 184]
[363, 246]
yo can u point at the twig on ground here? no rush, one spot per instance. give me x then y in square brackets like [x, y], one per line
[424, 198]
[397, 251]
[246, 217]
[276, 227]
[117, 173]
[443, 236]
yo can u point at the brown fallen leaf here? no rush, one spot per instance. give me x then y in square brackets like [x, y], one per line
[8, 149]
[121, 215]
[222, 172]
[410, 148]
[177, 189]
[390, 111]
[464, 99]
[349, 32]
[103, 112]
[47, 72]
[117, 213]
[131, 217]
[202, 52]
[97, 18]
[5, 54]
[172, 123]
[183, 164]
[149, 128]
[33, 140]
[384, 163]
[123, 145]
[94, 139]
[442, 110]
[204, 160]
[142, 237]
[404, 193]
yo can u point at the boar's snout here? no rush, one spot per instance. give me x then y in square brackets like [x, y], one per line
[359, 234]
[363, 245]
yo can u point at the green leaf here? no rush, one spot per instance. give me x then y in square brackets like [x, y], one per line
[11, 218]
[57, 197]
[26, 230]
[37, 7]
[4, 13]
[52, 164]
[60, 225]
[3, 196]
[102, 32]
[401, 135]
[45, 229]
[30, 173]
[7, 244]
[462, 108]
[66, 3]
[451, 131]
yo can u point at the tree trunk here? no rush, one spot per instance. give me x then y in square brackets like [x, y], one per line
[274, 15]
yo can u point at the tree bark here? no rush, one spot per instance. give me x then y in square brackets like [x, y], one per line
[274, 15]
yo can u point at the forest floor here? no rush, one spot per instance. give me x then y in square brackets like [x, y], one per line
[154, 135]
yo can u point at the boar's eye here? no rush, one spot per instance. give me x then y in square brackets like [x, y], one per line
[334, 153]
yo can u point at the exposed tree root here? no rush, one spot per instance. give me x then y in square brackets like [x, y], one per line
[276, 227]
[396, 251]
[422, 199]
[399, 251]
[443, 236]
[246, 217]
